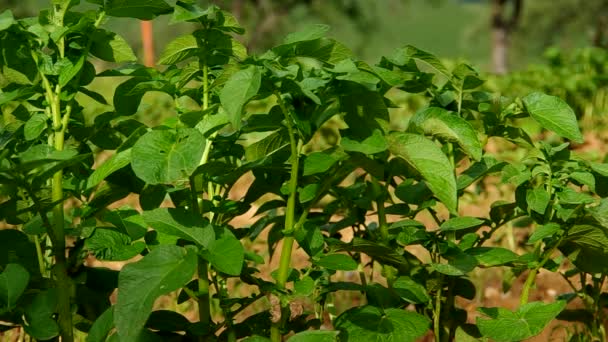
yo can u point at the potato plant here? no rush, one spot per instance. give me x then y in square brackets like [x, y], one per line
[355, 206]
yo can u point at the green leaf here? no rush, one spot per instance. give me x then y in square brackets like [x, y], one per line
[319, 162]
[444, 124]
[17, 94]
[67, 73]
[112, 245]
[17, 249]
[127, 220]
[187, 11]
[226, 253]
[304, 287]
[102, 326]
[39, 316]
[586, 245]
[410, 291]
[315, 336]
[543, 231]
[166, 156]
[128, 95]
[13, 281]
[267, 146]
[373, 144]
[311, 32]
[110, 47]
[6, 20]
[116, 162]
[492, 256]
[140, 9]
[528, 321]
[538, 199]
[165, 269]
[336, 261]
[554, 114]
[459, 263]
[600, 168]
[179, 49]
[181, 223]
[369, 323]
[308, 193]
[35, 125]
[429, 160]
[239, 89]
[402, 56]
[462, 222]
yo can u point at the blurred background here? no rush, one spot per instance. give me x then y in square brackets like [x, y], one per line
[495, 35]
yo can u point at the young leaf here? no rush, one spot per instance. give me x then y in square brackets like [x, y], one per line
[336, 261]
[36, 124]
[166, 268]
[240, 88]
[181, 223]
[369, 323]
[164, 156]
[140, 9]
[439, 122]
[528, 321]
[429, 160]
[13, 281]
[554, 114]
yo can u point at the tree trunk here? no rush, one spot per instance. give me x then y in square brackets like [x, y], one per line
[500, 49]
[501, 31]
[147, 39]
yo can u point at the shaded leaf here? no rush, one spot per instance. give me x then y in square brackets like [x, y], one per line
[165, 269]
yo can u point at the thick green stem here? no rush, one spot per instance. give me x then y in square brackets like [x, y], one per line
[63, 282]
[204, 303]
[285, 258]
[525, 291]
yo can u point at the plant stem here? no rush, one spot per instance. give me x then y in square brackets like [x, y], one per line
[525, 291]
[204, 303]
[285, 258]
[63, 281]
[437, 315]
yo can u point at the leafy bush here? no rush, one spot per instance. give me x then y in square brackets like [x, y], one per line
[578, 77]
[372, 183]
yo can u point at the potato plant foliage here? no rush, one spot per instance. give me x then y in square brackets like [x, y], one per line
[352, 206]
